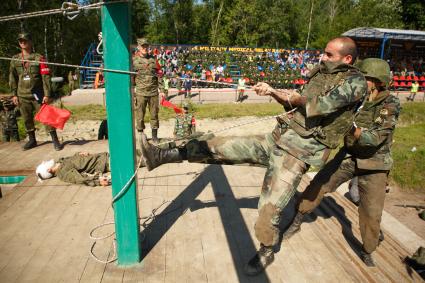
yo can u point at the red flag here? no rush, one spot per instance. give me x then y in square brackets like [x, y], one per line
[52, 116]
[168, 104]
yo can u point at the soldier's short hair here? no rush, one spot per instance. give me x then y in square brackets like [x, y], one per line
[349, 46]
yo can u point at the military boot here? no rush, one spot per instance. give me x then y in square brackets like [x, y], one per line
[55, 140]
[257, 264]
[31, 142]
[367, 258]
[155, 136]
[154, 156]
[295, 226]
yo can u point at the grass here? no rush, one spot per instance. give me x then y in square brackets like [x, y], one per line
[212, 111]
[409, 167]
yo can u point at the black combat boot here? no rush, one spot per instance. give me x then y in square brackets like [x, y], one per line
[154, 156]
[257, 264]
[367, 258]
[55, 140]
[31, 142]
[295, 226]
[155, 136]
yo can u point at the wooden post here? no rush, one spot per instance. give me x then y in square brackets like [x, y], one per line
[116, 33]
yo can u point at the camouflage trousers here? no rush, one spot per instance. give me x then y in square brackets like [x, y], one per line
[280, 182]
[28, 107]
[372, 187]
[140, 104]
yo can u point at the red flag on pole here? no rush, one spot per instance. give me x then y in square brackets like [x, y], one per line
[168, 104]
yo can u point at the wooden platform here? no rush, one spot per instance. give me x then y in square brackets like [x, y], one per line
[202, 233]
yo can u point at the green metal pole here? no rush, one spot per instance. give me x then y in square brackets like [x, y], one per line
[116, 34]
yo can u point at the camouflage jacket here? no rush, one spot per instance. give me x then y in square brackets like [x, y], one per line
[29, 79]
[147, 82]
[79, 169]
[333, 94]
[8, 120]
[184, 126]
[377, 119]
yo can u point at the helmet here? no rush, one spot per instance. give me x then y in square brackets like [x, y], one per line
[142, 41]
[375, 68]
[24, 35]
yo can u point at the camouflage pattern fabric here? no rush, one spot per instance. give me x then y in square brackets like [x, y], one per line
[372, 190]
[333, 93]
[140, 104]
[27, 79]
[282, 177]
[83, 169]
[369, 158]
[377, 119]
[147, 82]
[183, 126]
[9, 125]
[30, 82]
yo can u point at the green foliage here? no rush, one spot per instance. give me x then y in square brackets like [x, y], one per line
[409, 165]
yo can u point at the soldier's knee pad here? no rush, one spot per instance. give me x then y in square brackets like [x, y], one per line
[265, 231]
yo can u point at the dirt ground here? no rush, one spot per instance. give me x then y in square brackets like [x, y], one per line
[87, 130]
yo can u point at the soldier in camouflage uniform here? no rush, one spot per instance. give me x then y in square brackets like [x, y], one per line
[8, 121]
[30, 85]
[366, 154]
[147, 85]
[82, 168]
[185, 123]
[324, 114]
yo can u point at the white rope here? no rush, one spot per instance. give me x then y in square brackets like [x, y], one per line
[149, 218]
[67, 8]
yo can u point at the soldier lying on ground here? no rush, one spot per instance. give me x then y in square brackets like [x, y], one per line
[82, 168]
[366, 154]
[324, 114]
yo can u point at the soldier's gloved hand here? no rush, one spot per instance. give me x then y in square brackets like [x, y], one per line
[15, 100]
[46, 100]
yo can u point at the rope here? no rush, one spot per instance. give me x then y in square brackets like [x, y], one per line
[69, 65]
[108, 70]
[234, 126]
[149, 218]
[67, 8]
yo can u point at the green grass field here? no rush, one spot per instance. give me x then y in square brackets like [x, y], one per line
[408, 165]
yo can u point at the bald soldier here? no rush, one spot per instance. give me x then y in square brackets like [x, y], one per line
[323, 114]
[366, 154]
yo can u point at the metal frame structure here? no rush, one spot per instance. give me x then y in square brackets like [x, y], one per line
[385, 35]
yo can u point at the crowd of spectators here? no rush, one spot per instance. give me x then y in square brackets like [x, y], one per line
[287, 68]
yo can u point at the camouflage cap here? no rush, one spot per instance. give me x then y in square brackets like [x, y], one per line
[142, 41]
[24, 35]
[375, 68]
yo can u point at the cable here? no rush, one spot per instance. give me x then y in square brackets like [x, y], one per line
[149, 218]
[67, 8]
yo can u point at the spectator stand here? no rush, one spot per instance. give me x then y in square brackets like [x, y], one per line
[403, 49]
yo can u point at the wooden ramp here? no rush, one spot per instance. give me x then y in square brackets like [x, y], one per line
[202, 231]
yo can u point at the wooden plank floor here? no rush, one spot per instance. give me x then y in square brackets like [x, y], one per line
[203, 231]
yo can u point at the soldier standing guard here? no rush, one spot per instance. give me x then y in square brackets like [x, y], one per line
[185, 123]
[30, 85]
[147, 85]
